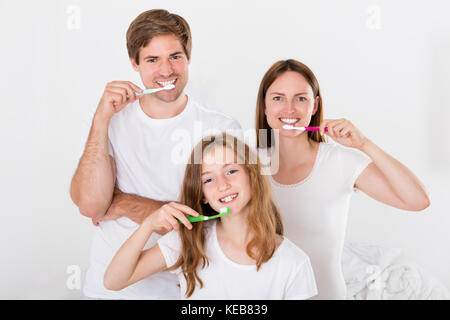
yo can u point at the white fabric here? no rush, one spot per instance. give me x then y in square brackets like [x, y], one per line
[314, 212]
[287, 275]
[375, 272]
[150, 156]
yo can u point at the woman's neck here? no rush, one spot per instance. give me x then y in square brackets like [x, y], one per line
[294, 151]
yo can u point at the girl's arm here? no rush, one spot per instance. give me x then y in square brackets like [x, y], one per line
[386, 179]
[130, 264]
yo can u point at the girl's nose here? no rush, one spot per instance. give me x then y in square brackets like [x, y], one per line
[223, 184]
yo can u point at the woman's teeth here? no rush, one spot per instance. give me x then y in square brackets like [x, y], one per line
[228, 198]
[165, 83]
[290, 121]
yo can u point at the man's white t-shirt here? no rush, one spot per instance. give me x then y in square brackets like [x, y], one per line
[314, 212]
[287, 275]
[151, 156]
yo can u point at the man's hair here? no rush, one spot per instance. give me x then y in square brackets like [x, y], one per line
[154, 23]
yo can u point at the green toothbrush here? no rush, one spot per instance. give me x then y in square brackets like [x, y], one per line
[223, 212]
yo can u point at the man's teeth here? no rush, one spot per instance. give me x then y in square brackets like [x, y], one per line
[166, 83]
[289, 120]
[229, 198]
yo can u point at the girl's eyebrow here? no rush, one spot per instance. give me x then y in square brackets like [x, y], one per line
[224, 165]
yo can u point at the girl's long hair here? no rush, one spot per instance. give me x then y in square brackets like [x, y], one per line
[264, 219]
[276, 70]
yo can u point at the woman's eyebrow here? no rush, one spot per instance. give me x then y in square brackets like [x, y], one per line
[282, 94]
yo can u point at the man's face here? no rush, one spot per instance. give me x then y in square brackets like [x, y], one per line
[163, 62]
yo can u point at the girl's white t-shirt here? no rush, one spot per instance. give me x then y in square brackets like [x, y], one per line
[287, 275]
[314, 212]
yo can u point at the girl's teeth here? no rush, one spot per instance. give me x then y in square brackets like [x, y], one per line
[228, 199]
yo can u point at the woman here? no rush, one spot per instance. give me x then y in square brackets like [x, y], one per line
[315, 179]
[239, 256]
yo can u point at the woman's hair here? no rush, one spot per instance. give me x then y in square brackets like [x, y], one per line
[154, 23]
[276, 70]
[264, 218]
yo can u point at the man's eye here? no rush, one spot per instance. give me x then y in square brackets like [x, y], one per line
[176, 57]
[151, 60]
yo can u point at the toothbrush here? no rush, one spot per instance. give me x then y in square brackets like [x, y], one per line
[289, 127]
[153, 90]
[223, 212]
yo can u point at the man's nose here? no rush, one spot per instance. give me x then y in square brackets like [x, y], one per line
[166, 68]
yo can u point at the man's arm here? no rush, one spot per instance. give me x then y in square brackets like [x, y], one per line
[92, 185]
[134, 207]
[93, 182]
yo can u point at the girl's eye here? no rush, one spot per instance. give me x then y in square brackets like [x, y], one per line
[232, 171]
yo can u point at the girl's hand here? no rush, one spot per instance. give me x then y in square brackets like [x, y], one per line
[343, 132]
[165, 218]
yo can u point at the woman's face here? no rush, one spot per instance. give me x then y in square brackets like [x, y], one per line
[290, 100]
[225, 183]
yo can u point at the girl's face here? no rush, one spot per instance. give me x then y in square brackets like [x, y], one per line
[290, 100]
[225, 183]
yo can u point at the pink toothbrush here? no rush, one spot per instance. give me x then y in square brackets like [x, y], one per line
[289, 127]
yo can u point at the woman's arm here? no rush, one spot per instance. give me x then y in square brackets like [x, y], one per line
[386, 179]
[389, 181]
[130, 264]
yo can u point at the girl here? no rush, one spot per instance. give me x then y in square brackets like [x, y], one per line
[315, 180]
[240, 256]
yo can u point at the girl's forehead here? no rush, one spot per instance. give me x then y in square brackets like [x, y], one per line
[218, 155]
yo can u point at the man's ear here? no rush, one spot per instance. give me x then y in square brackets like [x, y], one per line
[134, 64]
[316, 105]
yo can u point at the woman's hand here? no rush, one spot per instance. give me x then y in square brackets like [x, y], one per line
[343, 132]
[165, 218]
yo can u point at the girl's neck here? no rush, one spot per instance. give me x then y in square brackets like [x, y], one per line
[234, 228]
[295, 151]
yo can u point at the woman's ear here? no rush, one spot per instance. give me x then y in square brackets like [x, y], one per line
[204, 200]
[316, 105]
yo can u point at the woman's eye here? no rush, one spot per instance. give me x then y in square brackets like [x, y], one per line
[207, 181]
[302, 99]
[276, 98]
[232, 171]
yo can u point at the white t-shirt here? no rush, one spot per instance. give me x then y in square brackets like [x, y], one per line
[287, 275]
[314, 212]
[151, 156]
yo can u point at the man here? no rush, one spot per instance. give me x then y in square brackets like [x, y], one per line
[129, 168]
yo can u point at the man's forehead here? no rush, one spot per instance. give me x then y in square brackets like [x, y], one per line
[163, 44]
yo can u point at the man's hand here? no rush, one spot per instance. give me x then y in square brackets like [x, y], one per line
[116, 96]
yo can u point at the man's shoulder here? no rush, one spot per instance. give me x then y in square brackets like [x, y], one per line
[209, 113]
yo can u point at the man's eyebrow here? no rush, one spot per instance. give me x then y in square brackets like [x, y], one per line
[172, 54]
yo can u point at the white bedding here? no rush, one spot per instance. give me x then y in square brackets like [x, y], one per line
[377, 273]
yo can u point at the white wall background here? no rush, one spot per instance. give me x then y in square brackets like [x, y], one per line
[382, 64]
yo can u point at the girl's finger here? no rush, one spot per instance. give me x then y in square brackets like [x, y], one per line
[179, 215]
[184, 208]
